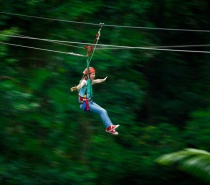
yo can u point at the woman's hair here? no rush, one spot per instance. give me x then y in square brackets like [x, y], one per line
[85, 76]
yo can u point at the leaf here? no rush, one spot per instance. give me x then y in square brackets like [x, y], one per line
[193, 161]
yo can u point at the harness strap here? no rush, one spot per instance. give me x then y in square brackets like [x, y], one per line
[87, 108]
[85, 101]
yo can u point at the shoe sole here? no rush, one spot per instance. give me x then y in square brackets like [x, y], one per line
[116, 133]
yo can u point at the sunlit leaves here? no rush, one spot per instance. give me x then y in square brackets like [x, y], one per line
[193, 161]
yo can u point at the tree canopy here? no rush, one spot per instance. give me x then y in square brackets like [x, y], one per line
[159, 97]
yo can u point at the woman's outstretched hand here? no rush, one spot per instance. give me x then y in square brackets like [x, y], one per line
[73, 89]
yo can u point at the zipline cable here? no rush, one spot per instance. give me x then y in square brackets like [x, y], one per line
[101, 45]
[55, 51]
[107, 25]
[143, 48]
[47, 40]
[176, 46]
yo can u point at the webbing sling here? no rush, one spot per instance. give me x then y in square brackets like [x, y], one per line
[90, 52]
[89, 85]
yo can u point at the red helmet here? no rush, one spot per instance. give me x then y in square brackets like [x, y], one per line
[91, 70]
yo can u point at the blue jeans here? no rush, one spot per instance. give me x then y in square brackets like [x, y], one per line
[99, 110]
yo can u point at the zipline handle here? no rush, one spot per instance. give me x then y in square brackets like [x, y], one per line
[101, 26]
[99, 32]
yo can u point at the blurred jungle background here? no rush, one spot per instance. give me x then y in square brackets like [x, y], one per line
[160, 98]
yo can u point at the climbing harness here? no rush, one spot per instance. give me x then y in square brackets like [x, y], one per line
[85, 102]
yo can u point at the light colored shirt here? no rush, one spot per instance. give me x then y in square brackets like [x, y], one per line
[83, 90]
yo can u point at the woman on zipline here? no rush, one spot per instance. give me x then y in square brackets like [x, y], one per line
[87, 104]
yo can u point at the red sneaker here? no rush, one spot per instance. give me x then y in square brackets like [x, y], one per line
[111, 129]
[112, 132]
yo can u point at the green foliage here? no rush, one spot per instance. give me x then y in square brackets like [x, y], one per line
[155, 96]
[193, 161]
[197, 130]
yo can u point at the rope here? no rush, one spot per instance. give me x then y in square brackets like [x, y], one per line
[55, 51]
[177, 46]
[107, 25]
[50, 19]
[102, 45]
[160, 48]
[60, 43]
[116, 47]
[156, 49]
[47, 40]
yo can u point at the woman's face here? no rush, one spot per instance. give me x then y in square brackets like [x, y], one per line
[92, 76]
